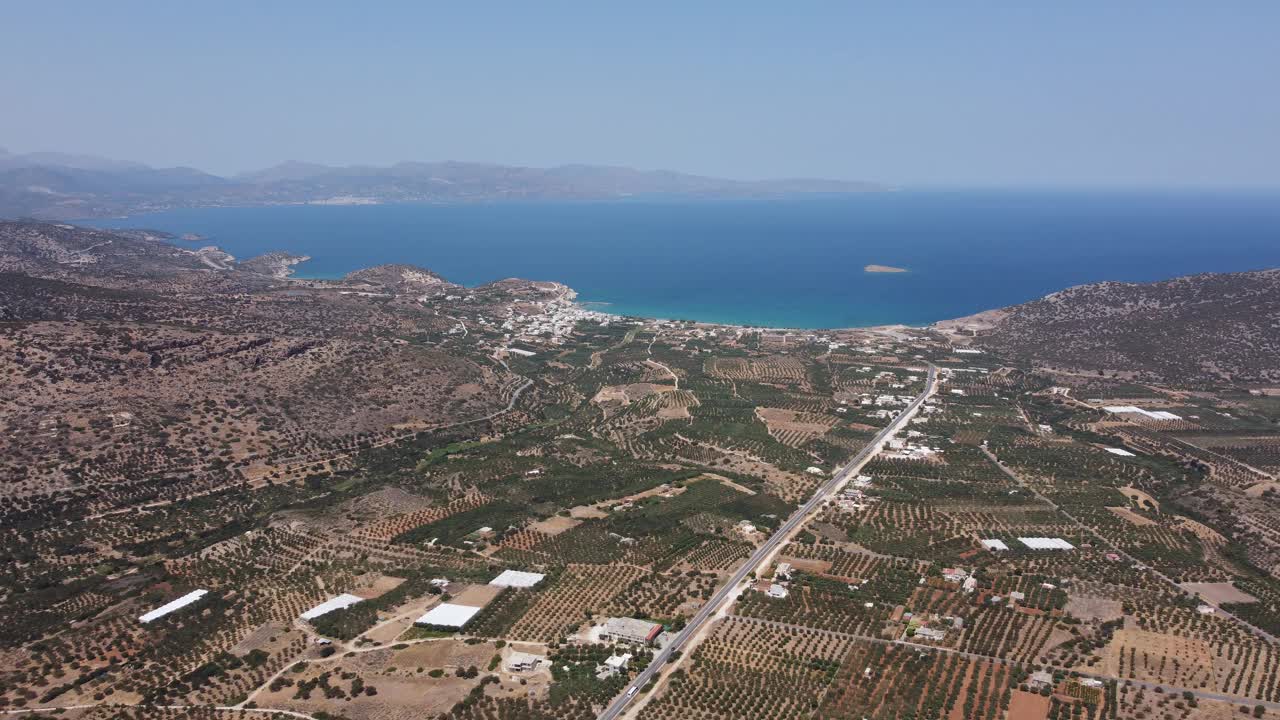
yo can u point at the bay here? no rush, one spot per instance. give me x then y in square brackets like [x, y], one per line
[792, 262]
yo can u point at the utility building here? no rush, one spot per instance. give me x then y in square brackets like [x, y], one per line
[638, 632]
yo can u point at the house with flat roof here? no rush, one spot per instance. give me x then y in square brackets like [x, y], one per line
[931, 633]
[524, 662]
[614, 665]
[638, 632]
[1040, 679]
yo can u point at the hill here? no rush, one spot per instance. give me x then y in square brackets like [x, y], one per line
[1212, 328]
[60, 186]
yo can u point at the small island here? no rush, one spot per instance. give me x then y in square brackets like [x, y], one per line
[883, 269]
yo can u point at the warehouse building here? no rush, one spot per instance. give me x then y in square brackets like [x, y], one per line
[638, 632]
[517, 579]
[448, 615]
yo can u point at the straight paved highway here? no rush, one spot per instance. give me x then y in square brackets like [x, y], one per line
[797, 518]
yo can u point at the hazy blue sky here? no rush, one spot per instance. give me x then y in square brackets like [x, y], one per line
[1007, 93]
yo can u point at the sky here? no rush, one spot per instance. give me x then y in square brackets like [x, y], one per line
[1011, 94]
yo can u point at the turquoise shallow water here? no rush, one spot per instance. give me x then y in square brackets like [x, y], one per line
[790, 262]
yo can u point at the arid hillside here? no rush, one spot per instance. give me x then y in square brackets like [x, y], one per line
[132, 369]
[1211, 328]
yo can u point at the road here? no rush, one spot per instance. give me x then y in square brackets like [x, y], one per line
[775, 540]
[655, 362]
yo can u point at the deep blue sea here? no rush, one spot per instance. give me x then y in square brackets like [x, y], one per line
[783, 263]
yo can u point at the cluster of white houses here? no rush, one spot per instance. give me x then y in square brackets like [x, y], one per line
[554, 321]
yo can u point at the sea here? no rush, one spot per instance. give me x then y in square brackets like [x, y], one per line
[790, 262]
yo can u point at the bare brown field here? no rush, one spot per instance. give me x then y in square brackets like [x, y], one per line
[627, 394]
[405, 697]
[1219, 592]
[1028, 706]
[555, 525]
[441, 654]
[817, 567]
[476, 595]
[1125, 513]
[1159, 658]
[1089, 607]
[587, 512]
[376, 586]
[1202, 531]
[795, 428]
[1262, 487]
[1140, 498]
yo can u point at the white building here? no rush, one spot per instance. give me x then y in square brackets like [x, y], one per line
[1044, 543]
[345, 600]
[517, 579]
[638, 632]
[524, 662]
[614, 665]
[931, 633]
[448, 615]
[1135, 410]
[172, 605]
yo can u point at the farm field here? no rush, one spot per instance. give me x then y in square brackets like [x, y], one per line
[1025, 546]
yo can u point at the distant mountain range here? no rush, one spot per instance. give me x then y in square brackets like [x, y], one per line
[65, 186]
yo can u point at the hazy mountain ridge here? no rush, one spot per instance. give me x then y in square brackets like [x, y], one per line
[57, 185]
[1208, 328]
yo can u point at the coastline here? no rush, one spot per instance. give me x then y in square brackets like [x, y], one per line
[796, 264]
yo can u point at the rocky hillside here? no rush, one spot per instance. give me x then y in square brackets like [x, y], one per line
[1211, 328]
[152, 370]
